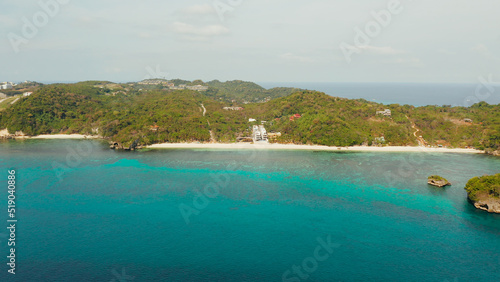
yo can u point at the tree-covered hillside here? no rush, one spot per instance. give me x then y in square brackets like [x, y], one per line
[243, 91]
[123, 114]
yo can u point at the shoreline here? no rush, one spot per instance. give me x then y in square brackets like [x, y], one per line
[262, 146]
[247, 146]
[5, 134]
[64, 136]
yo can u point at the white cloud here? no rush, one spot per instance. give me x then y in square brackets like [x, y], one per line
[199, 10]
[484, 51]
[201, 31]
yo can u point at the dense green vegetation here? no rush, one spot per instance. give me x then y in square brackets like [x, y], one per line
[90, 110]
[487, 186]
[447, 126]
[5, 103]
[332, 121]
[124, 113]
[437, 178]
[241, 91]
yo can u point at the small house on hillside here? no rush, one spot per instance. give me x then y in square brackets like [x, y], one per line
[295, 116]
[385, 112]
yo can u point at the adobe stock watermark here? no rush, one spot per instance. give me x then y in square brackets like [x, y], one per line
[74, 158]
[484, 90]
[121, 277]
[222, 7]
[309, 265]
[31, 27]
[155, 73]
[363, 37]
[201, 199]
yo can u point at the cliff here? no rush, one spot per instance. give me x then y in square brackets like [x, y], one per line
[484, 192]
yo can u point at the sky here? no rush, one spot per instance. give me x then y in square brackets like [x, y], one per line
[425, 41]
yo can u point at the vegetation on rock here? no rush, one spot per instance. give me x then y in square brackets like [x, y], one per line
[484, 192]
[438, 181]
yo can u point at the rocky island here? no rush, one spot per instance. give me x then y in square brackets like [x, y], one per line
[438, 181]
[484, 192]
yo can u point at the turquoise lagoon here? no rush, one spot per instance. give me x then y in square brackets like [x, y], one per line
[87, 213]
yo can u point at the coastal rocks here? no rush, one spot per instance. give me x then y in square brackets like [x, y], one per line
[118, 146]
[488, 204]
[4, 134]
[437, 181]
[492, 152]
[484, 192]
[115, 146]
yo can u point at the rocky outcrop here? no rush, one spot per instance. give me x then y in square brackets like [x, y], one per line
[118, 146]
[488, 204]
[438, 181]
[4, 134]
[484, 192]
[492, 152]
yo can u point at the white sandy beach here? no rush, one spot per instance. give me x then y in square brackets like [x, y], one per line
[265, 146]
[4, 133]
[65, 136]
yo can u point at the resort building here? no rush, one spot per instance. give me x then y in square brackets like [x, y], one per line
[180, 87]
[7, 85]
[386, 113]
[259, 134]
[233, 108]
[198, 88]
[155, 82]
[27, 94]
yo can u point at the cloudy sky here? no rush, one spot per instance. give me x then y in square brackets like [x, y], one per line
[255, 40]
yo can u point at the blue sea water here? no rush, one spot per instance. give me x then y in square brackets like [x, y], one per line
[416, 94]
[87, 213]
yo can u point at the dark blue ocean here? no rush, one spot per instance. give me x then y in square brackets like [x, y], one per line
[87, 213]
[417, 94]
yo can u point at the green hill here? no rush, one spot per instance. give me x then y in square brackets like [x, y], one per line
[243, 91]
[124, 114]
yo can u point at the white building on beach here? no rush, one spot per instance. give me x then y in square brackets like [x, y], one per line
[259, 134]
